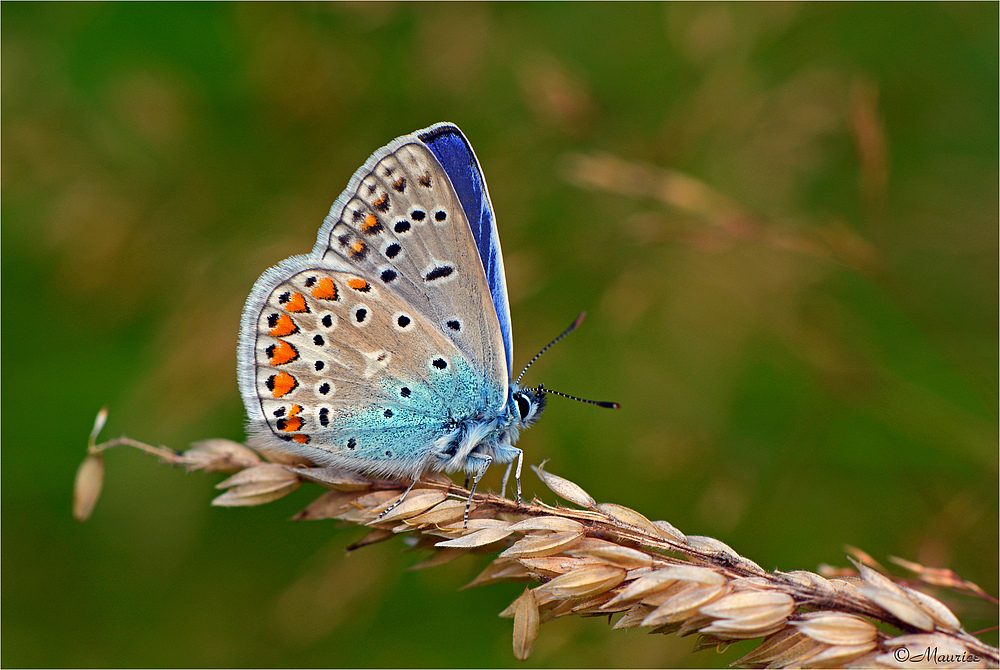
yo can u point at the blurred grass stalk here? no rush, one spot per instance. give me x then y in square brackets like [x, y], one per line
[604, 559]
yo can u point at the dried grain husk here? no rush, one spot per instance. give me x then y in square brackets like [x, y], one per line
[564, 488]
[580, 583]
[942, 616]
[367, 507]
[257, 493]
[258, 474]
[667, 529]
[781, 649]
[684, 600]
[526, 623]
[415, 503]
[837, 628]
[748, 613]
[87, 485]
[895, 601]
[611, 553]
[629, 518]
[550, 523]
[547, 567]
[446, 512]
[333, 478]
[257, 485]
[838, 655]
[652, 582]
[633, 618]
[479, 538]
[220, 455]
[329, 505]
[544, 544]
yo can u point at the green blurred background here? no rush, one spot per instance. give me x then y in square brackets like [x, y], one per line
[781, 218]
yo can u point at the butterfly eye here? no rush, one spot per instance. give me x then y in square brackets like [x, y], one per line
[523, 405]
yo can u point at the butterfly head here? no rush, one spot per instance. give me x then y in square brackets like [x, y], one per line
[527, 405]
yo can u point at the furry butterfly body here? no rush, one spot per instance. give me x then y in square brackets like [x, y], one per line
[387, 349]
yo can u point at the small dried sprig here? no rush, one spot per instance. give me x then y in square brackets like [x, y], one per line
[605, 559]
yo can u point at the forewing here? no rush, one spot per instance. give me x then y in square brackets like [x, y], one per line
[402, 222]
[453, 151]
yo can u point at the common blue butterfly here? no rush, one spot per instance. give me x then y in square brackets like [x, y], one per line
[387, 349]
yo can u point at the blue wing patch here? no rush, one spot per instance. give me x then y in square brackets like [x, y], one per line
[449, 145]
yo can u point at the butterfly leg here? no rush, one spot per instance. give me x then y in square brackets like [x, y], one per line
[517, 477]
[402, 498]
[503, 482]
[517, 474]
[487, 460]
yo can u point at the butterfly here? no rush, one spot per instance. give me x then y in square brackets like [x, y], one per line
[387, 350]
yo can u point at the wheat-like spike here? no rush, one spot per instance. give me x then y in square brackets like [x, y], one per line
[606, 559]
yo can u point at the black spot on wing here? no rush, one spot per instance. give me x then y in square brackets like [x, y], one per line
[439, 272]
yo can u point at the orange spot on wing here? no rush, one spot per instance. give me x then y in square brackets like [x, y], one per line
[358, 249]
[296, 303]
[281, 353]
[358, 284]
[371, 224]
[301, 439]
[290, 425]
[325, 289]
[281, 384]
[284, 326]
[294, 410]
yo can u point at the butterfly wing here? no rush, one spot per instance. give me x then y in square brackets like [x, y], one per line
[456, 156]
[402, 221]
[347, 373]
[363, 352]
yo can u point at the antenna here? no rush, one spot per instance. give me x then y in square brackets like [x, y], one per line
[599, 403]
[541, 389]
[566, 332]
